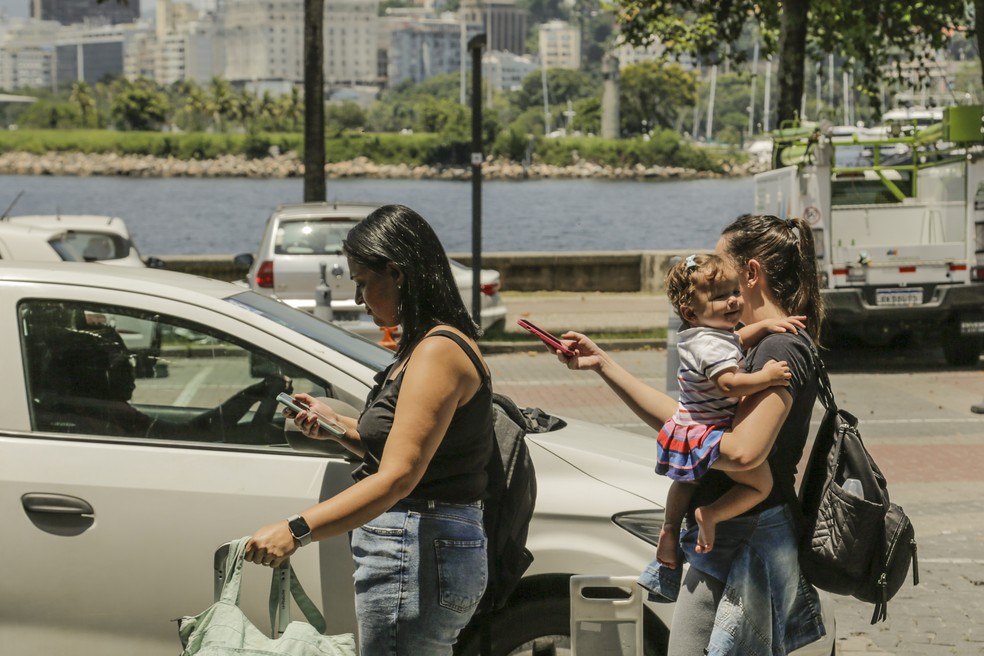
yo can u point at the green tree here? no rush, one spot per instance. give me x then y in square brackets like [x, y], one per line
[870, 33]
[81, 96]
[222, 103]
[562, 85]
[345, 116]
[289, 110]
[654, 94]
[139, 105]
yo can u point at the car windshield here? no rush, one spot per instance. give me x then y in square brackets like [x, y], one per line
[349, 344]
[311, 237]
[85, 246]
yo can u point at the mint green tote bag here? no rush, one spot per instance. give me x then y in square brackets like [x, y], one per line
[224, 630]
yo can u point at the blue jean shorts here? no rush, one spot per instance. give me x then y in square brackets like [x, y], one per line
[420, 571]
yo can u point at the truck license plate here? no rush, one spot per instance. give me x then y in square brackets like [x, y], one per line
[972, 327]
[903, 296]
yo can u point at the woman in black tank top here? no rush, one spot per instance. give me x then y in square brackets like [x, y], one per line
[425, 438]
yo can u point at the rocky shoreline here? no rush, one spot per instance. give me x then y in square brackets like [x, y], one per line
[289, 165]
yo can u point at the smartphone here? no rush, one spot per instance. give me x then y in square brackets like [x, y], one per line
[545, 337]
[297, 405]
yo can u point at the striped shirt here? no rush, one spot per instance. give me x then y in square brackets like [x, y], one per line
[704, 353]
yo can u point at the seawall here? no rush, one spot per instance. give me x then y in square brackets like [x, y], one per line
[583, 271]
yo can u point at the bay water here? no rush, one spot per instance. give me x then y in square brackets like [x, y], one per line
[197, 216]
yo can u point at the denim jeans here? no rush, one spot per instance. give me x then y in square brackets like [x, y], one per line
[420, 571]
[766, 607]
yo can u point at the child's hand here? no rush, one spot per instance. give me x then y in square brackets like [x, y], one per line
[777, 372]
[790, 324]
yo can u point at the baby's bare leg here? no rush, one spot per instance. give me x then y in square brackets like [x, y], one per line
[752, 487]
[677, 500]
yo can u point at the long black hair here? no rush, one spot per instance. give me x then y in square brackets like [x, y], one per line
[429, 296]
[786, 251]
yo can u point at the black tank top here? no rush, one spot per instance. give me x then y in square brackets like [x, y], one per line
[456, 474]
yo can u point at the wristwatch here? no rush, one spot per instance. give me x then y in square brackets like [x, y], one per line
[299, 529]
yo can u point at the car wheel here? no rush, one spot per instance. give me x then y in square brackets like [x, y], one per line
[961, 350]
[539, 627]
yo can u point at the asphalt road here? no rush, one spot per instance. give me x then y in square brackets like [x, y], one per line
[915, 417]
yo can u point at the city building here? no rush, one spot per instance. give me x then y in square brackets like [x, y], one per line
[71, 12]
[628, 55]
[505, 71]
[27, 54]
[420, 45]
[560, 45]
[264, 40]
[504, 24]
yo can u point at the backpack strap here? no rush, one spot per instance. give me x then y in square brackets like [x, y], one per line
[826, 396]
[824, 391]
[469, 351]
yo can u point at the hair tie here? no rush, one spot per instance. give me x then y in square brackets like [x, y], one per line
[691, 262]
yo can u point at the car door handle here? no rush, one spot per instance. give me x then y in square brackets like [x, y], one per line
[56, 504]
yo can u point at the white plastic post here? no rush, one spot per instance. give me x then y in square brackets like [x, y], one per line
[606, 616]
[322, 297]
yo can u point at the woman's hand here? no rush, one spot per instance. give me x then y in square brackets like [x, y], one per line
[307, 420]
[587, 354]
[271, 545]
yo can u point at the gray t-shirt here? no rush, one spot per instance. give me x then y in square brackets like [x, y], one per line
[793, 435]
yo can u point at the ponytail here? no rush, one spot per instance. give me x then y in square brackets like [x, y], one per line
[787, 253]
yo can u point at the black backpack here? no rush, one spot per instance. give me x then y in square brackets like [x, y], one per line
[511, 497]
[850, 545]
[511, 492]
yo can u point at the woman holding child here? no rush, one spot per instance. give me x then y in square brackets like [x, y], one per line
[743, 592]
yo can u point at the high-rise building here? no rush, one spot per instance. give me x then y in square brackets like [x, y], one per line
[560, 45]
[504, 23]
[69, 12]
[420, 46]
[264, 40]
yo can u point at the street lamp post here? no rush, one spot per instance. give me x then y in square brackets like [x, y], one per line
[475, 46]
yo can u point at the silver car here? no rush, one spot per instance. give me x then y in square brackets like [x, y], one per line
[301, 238]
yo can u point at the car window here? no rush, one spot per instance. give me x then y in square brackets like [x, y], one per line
[85, 246]
[115, 371]
[311, 237]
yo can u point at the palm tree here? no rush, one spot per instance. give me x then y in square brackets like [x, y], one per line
[223, 102]
[82, 97]
[290, 110]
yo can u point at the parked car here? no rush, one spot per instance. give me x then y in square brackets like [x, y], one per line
[86, 238]
[113, 521]
[89, 238]
[301, 238]
[21, 242]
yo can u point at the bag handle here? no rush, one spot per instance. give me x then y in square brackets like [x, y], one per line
[283, 586]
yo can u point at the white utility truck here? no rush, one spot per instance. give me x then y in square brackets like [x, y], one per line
[898, 217]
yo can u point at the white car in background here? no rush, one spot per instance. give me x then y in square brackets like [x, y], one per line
[88, 238]
[301, 238]
[85, 238]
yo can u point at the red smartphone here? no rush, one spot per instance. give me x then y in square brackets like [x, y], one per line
[545, 337]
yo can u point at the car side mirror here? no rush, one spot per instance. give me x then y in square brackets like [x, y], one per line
[243, 260]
